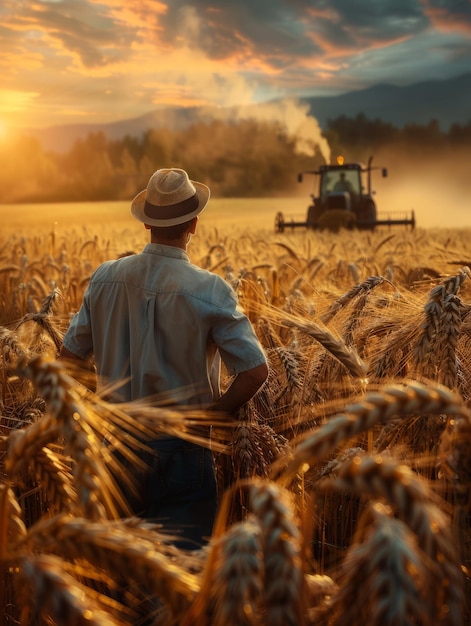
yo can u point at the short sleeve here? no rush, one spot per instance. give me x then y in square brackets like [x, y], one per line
[235, 337]
[78, 338]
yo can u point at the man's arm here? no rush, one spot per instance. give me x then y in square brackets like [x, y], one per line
[67, 355]
[82, 370]
[244, 386]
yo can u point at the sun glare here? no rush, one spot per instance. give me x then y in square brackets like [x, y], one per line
[14, 106]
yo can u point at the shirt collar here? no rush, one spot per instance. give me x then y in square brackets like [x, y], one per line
[168, 251]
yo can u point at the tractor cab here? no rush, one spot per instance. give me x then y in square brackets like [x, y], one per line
[348, 180]
[346, 189]
[340, 186]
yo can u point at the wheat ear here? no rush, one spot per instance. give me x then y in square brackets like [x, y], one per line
[57, 479]
[450, 324]
[361, 289]
[373, 409]
[454, 456]
[438, 308]
[417, 506]
[425, 360]
[12, 526]
[52, 592]
[285, 591]
[44, 321]
[347, 356]
[321, 589]
[239, 576]
[26, 443]
[12, 350]
[68, 416]
[290, 360]
[384, 576]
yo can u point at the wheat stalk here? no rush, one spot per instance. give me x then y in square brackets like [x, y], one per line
[117, 549]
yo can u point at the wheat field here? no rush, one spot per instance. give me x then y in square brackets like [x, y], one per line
[345, 484]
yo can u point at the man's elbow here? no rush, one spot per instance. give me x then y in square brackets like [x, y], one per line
[67, 355]
[74, 360]
[259, 375]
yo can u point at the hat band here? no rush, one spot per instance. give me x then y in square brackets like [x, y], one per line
[170, 211]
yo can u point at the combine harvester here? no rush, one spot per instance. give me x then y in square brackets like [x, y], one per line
[344, 200]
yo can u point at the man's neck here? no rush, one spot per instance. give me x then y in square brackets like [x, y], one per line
[181, 242]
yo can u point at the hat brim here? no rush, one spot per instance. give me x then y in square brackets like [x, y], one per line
[138, 206]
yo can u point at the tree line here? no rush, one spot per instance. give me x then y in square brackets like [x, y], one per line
[244, 158]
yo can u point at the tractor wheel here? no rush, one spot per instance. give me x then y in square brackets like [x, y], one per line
[279, 222]
[314, 213]
[369, 214]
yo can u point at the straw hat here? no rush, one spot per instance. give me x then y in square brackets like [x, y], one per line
[170, 198]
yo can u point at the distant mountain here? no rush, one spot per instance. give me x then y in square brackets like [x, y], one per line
[62, 137]
[447, 101]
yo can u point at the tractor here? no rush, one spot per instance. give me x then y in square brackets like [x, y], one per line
[344, 200]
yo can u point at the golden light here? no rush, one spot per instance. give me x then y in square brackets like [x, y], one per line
[15, 105]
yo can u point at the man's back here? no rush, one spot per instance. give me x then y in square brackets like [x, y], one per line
[156, 321]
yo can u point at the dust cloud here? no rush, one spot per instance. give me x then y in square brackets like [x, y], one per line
[294, 118]
[436, 188]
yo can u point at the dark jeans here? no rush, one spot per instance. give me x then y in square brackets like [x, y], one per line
[180, 491]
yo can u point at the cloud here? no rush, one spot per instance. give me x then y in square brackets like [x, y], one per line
[269, 26]
[111, 59]
[282, 31]
[449, 15]
[84, 32]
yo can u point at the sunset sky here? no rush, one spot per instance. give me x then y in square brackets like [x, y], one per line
[68, 61]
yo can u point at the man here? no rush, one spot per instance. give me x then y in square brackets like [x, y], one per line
[156, 325]
[343, 184]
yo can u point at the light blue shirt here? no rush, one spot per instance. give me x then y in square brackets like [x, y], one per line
[156, 324]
